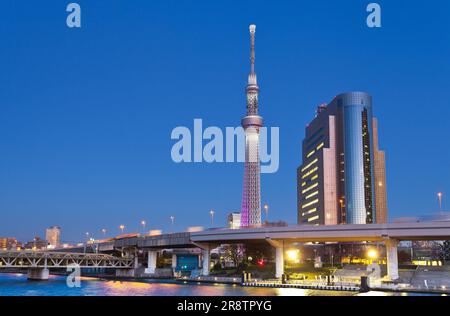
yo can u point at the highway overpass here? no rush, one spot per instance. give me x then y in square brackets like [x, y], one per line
[390, 234]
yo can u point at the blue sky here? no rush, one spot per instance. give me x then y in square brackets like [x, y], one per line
[86, 114]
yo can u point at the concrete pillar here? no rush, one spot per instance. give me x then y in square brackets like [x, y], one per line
[392, 259]
[38, 274]
[151, 266]
[279, 256]
[206, 260]
[125, 273]
[279, 262]
[174, 261]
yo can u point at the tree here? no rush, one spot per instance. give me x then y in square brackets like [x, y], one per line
[259, 251]
[234, 253]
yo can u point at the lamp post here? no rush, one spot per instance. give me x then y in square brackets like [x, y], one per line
[104, 232]
[440, 200]
[172, 221]
[211, 213]
[341, 204]
[85, 244]
[122, 228]
[266, 209]
[143, 223]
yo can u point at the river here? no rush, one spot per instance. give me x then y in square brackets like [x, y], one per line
[18, 285]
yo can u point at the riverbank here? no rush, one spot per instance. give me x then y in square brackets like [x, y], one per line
[234, 282]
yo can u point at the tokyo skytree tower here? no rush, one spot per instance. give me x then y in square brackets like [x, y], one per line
[252, 122]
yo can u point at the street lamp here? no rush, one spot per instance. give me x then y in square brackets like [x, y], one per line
[266, 209]
[440, 200]
[372, 254]
[104, 232]
[293, 255]
[212, 217]
[85, 244]
[143, 223]
[122, 227]
[172, 220]
[341, 204]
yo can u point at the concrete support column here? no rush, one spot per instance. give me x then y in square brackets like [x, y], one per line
[125, 273]
[174, 261]
[279, 262]
[279, 256]
[151, 266]
[392, 259]
[38, 274]
[206, 260]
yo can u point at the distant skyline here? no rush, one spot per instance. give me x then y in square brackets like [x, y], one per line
[86, 114]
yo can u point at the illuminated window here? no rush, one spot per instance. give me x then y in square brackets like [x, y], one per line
[311, 153]
[310, 211]
[312, 194]
[310, 164]
[310, 188]
[310, 172]
[303, 184]
[320, 145]
[310, 203]
[313, 218]
[314, 177]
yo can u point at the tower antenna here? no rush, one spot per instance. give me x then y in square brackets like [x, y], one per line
[252, 48]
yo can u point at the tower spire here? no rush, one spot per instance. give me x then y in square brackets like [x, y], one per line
[252, 48]
[252, 75]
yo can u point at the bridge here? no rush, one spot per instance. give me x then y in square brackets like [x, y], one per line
[280, 238]
[390, 234]
[38, 263]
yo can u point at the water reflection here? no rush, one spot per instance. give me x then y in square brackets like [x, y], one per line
[15, 285]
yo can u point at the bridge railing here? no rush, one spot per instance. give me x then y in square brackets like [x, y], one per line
[34, 259]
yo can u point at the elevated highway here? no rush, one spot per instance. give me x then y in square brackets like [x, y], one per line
[390, 234]
[331, 233]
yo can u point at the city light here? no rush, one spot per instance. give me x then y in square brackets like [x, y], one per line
[440, 200]
[293, 255]
[372, 254]
[122, 228]
[266, 209]
[211, 213]
[172, 221]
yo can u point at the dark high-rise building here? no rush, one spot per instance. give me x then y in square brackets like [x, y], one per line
[342, 178]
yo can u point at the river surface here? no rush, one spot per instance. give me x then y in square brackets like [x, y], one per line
[18, 285]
